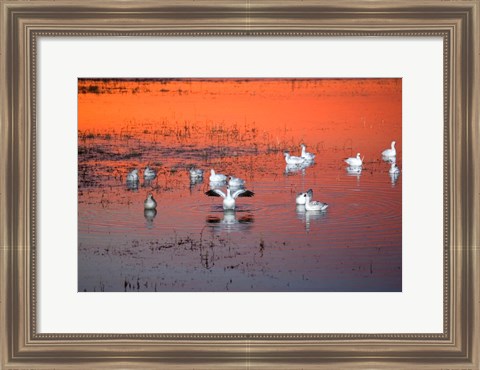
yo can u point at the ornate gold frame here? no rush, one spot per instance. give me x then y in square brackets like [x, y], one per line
[22, 22]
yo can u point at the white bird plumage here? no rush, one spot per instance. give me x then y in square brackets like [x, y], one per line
[235, 182]
[293, 160]
[216, 177]
[354, 161]
[314, 205]
[196, 172]
[132, 176]
[392, 152]
[150, 203]
[301, 198]
[308, 156]
[149, 173]
[229, 198]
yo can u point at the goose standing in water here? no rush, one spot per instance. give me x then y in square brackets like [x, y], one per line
[354, 161]
[301, 198]
[216, 177]
[229, 198]
[235, 182]
[132, 176]
[292, 160]
[149, 173]
[308, 156]
[392, 152]
[150, 203]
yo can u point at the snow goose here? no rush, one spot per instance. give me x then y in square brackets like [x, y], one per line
[229, 198]
[216, 177]
[195, 172]
[150, 203]
[292, 160]
[235, 182]
[308, 156]
[392, 152]
[301, 198]
[313, 205]
[132, 176]
[149, 173]
[354, 161]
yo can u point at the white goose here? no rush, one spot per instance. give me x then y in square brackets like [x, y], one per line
[354, 161]
[229, 198]
[301, 198]
[293, 160]
[235, 182]
[313, 205]
[149, 173]
[150, 203]
[308, 156]
[394, 170]
[132, 176]
[392, 152]
[216, 177]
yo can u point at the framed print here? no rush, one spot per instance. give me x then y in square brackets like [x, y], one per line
[200, 184]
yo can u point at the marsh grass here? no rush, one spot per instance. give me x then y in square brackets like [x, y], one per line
[200, 141]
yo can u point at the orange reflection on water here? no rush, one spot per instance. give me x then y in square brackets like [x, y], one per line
[241, 128]
[334, 112]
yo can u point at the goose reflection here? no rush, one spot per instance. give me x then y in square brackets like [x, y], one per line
[394, 177]
[298, 168]
[394, 172]
[293, 169]
[148, 182]
[194, 182]
[309, 216]
[217, 184]
[354, 172]
[389, 159]
[149, 215]
[231, 221]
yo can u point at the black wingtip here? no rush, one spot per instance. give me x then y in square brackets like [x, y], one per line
[212, 193]
[247, 193]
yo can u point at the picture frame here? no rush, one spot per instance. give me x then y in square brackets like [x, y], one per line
[457, 22]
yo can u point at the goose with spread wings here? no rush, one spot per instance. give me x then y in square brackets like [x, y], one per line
[229, 198]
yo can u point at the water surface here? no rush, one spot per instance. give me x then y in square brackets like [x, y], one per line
[242, 128]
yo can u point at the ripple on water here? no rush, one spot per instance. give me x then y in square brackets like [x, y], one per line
[362, 211]
[353, 216]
